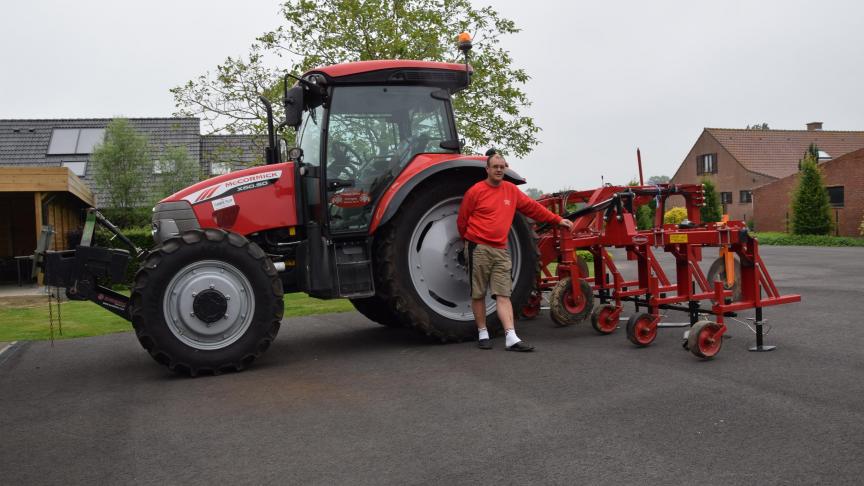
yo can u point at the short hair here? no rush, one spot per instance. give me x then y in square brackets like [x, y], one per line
[492, 152]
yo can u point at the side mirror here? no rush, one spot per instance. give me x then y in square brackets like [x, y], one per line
[294, 106]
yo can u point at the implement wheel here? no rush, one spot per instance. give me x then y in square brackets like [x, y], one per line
[717, 273]
[567, 308]
[604, 319]
[641, 329]
[532, 308]
[703, 340]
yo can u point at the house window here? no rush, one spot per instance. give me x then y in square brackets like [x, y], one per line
[77, 168]
[725, 198]
[163, 166]
[67, 141]
[706, 164]
[746, 197]
[835, 196]
[219, 168]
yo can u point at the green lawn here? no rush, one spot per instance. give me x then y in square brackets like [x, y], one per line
[27, 318]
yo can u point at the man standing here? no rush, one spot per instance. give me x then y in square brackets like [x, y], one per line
[484, 221]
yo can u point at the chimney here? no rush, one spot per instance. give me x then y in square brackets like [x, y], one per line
[814, 126]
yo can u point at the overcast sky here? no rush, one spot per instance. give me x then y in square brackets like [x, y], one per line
[607, 77]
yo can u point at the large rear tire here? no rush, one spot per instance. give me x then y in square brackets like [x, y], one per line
[419, 272]
[206, 302]
[375, 309]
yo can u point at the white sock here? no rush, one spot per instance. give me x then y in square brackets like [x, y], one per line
[511, 337]
[482, 333]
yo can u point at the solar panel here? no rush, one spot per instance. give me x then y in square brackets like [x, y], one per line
[63, 141]
[89, 139]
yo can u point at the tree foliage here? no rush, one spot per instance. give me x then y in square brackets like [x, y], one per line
[122, 165]
[489, 112]
[533, 192]
[811, 209]
[675, 215]
[658, 179]
[711, 212]
[178, 171]
[758, 126]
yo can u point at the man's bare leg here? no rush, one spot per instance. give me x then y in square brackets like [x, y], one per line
[505, 312]
[478, 306]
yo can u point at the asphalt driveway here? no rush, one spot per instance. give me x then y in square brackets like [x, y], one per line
[340, 400]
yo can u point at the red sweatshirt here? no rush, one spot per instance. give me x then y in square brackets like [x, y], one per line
[486, 213]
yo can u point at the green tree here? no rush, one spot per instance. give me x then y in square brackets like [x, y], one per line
[533, 192]
[711, 212]
[490, 112]
[758, 126]
[658, 179]
[178, 171]
[811, 209]
[122, 166]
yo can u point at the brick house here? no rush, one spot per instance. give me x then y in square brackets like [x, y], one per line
[844, 177]
[740, 160]
[47, 176]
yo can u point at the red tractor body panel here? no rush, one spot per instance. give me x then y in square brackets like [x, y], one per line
[246, 201]
[420, 163]
[359, 67]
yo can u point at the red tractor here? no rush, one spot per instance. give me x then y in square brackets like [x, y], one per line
[364, 208]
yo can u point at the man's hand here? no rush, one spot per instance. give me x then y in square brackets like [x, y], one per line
[566, 223]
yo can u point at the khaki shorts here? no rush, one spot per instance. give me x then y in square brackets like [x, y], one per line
[488, 267]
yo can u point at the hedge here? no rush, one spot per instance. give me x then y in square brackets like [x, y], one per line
[785, 239]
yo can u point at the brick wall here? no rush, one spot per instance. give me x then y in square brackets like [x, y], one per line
[773, 201]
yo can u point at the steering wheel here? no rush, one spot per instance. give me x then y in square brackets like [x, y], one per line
[342, 164]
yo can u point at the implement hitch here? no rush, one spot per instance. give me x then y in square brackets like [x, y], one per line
[87, 271]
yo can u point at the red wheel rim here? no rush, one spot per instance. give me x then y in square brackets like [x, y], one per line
[708, 341]
[604, 320]
[574, 303]
[645, 331]
[530, 310]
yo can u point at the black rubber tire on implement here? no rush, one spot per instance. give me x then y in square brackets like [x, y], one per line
[236, 266]
[638, 330]
[565, 308]
[700, 341]
[600, 319]
[376, 310]
[393, 278]
[717, 271]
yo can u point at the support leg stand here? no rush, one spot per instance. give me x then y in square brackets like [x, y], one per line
[759, 346]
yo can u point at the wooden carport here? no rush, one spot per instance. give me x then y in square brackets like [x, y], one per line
[31, 197]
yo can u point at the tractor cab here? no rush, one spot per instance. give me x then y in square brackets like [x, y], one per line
[358, 126]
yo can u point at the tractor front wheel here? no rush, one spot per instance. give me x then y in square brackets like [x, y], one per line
[207, 301]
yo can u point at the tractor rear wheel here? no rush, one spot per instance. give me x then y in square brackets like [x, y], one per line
[208, 301]
[375, 309]
[421, 275]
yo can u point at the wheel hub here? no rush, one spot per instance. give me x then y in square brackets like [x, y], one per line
[210, 306]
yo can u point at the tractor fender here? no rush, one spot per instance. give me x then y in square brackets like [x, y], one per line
[422, 169]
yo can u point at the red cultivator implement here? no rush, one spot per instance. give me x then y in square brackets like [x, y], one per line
[605, 218]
